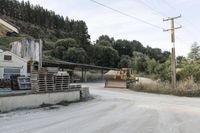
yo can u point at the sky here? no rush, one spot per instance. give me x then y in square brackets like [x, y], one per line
[103, 21]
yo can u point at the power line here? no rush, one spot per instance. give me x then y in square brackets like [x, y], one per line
[125, 14]
[154, 10]
[164, 15]
[130, 16]
[187, 20]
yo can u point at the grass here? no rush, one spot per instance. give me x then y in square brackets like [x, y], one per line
[184, 88]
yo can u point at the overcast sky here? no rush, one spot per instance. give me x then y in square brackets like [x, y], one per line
[101, 20]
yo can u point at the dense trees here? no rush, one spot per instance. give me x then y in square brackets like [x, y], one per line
[125, 62]
[42, 23]
[67, 43]
[77, 55]
[105, 56]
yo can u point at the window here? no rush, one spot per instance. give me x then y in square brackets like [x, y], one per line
[9, 71]
[7, 57]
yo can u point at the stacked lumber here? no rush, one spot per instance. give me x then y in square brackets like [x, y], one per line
[62, 82]
[44, 81]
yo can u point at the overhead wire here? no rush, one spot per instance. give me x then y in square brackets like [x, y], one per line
[147, 5]
[128, 15]
[133, 17]
[187, 20]
[164, 15]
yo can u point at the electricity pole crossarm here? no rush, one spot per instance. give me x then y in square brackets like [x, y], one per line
[172, 29]
[173, 59]
[170, 18]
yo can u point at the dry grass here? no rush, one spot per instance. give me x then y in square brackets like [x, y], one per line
[184, 88]
[91, 75]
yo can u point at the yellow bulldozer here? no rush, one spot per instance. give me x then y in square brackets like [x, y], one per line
[123, 78]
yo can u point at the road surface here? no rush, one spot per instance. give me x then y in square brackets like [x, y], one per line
[112, 111]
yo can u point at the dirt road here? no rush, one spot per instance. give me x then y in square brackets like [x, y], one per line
[112, 111]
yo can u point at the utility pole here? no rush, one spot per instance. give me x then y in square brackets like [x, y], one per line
[173, 56]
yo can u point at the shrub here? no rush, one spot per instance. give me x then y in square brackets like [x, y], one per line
[184, 88]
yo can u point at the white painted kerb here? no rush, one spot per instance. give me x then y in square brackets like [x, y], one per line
[34, 100]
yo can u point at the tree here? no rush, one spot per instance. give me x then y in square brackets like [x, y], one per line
[163, 71]
[137, 46]
[58, 52]
[151, 66]
[80, 33]
[124, 47]
[77, 55]
[194, 52]
[67, 43]
[105, 56]
[181, 60]
[105, 38]
[125, 62]
[139, 62]
[104, 43]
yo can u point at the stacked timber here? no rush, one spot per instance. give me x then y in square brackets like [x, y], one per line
[34, 82]
[42, 81]
[62, 81]
[46, 82]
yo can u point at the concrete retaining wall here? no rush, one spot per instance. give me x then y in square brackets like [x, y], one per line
[9, 103]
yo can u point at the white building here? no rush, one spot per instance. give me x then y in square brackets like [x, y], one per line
[25, 56]
[11, 64]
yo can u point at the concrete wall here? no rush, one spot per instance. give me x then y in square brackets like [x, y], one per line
[9, 103]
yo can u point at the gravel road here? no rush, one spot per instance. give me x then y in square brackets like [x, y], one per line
[112, 111]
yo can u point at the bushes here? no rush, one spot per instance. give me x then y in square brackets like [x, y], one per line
[184, 88]
[76, 55]
[190, 71]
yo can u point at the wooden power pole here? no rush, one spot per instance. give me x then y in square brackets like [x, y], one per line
[173, 56]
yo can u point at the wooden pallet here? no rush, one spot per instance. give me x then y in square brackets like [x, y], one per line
[61, 82]
[47, 82]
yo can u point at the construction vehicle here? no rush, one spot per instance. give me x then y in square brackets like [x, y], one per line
[123, 78]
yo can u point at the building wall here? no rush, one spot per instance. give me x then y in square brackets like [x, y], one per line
[15, 63]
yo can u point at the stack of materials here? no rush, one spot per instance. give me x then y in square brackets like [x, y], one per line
[34, 82]
[42, 81]
[46, 82]
[62, 80]
[24, 83]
